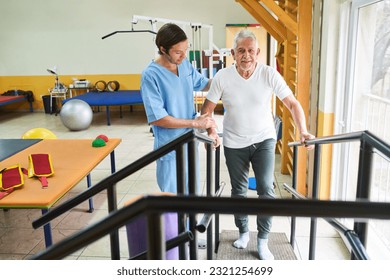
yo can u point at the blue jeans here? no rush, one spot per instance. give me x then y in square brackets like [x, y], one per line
[262, 158]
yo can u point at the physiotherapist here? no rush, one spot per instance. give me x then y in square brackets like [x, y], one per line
[167, 86]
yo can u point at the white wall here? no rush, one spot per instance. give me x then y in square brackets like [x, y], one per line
[36, 35]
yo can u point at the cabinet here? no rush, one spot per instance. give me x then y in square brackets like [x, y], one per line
[74, 90]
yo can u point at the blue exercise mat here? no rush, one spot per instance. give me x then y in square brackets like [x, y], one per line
[108, 98]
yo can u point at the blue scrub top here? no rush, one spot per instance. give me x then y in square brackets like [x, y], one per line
[164, 93]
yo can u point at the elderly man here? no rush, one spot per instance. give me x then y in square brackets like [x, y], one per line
[249, 136]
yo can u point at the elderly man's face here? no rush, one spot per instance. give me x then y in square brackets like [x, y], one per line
[246, 54]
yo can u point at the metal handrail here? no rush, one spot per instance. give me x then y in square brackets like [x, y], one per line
[346, 137]
[154, 206]
[222, 205]
[121, 174]
[356, 245]
[368, 142]
[109, 184]
[365, 135]
[207, 217]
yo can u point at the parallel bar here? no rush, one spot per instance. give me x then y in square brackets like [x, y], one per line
[346, 137]
[192, 189]
[112, 206]
[210, 189]
[114, 235]
[363, 185]
[114, 178]
[294, 185]
[217, 186]
[225, 205]
[316, 179]
[374, 141]
[356, 245]
[181, 183]
[156, 243]
[206, 219]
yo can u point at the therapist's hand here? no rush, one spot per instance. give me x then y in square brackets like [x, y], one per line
[205, 122]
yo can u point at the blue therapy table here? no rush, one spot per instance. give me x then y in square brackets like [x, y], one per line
[108, 98]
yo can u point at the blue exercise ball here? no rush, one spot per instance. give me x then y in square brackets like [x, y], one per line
[76, 115]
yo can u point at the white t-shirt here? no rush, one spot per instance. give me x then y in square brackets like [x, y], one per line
[248, 114]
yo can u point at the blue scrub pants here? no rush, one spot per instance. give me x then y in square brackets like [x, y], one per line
[166, 173]
[262, 157]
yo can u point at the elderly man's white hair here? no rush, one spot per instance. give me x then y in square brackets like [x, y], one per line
[243, 34]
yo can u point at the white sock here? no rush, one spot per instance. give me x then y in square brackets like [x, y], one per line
[262, 248]
[242, 241]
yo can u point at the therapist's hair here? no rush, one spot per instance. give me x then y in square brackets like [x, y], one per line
[168, 35]
[243, 34]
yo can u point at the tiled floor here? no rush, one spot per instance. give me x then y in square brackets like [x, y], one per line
[18, 240]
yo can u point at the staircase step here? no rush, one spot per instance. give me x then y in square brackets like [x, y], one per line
[278, 245]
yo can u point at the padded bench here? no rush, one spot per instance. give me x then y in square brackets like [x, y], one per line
[9, 99]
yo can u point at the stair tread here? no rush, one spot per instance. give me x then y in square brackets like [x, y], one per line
[278, 245]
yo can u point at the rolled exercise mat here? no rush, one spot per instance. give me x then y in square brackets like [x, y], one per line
[113, 86]
[100, 85]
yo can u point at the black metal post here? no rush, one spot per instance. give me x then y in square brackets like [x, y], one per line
[217, 186]
[192, 186]
[210, 189]
[363, 186]
[181, 183]
[180, 169]
[316, 177]
[114, 236]
[156, 236]
[294, 186]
